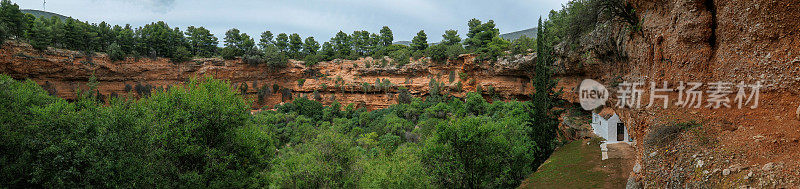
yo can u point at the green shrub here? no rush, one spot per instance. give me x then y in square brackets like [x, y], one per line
[522, 45]
[314, 59]
[403, 169]
[320, 163]
[438, 53]
[228, 53]
[262, 94]
[276, 59]
[477, 152]
[496, 48]
[400, 57]
[243, 88]
[181, 55]
[404, 97]
[317, 96]
[115, 52]
[453, 51]
[492, 92]
[177, 137]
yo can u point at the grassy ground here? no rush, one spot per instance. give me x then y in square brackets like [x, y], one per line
[578, 165]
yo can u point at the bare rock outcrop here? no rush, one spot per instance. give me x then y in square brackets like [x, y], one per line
[346, 81]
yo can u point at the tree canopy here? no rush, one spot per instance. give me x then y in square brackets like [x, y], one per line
[201, 134]
[158, 39]
[420, 42]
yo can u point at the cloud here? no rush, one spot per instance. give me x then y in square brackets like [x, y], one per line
[420, 10]
[162, 5]
[157, 6]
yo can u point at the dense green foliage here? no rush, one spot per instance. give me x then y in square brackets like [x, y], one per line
[480, 35]
[420, 42]
[451, 37]
[202, 135]
[579, 17]
[442, 52]
[441, 141]
[238, 43]
[201, 42]
[523, 45]
[14, 22]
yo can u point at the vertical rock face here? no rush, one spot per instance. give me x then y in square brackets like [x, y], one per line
[706, 41]
[743, 40]
[64, 72]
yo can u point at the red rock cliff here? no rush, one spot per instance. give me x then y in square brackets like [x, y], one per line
[67, 71]
[706, 41]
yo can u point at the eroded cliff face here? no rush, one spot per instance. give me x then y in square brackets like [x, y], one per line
[680, 40]
[707, 41]
[66, 72]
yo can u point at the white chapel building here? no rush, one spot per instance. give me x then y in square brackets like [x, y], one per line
[606, 124]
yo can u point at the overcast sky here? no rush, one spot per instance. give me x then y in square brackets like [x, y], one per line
[318, 18]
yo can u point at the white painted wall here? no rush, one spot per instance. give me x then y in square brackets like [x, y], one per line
[608, 128]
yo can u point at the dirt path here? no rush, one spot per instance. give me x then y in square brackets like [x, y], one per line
[619, 164]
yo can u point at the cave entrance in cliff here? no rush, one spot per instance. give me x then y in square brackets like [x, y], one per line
[620, 131]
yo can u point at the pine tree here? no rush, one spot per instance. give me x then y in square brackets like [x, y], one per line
[451, 37]
[310, 46]
[155, 39]
[295, 46]
[12, 18]
[327, 51]
[266, 40]
[360, 41]
[282, 42]
[105, 36]
[39, 35]
[480, 35]
[3, 31]
[115, 52]
[201, 42]
[420, 42]
[124, 38]
[238, 43]
[341, 45]
[386, 36]
[373, 43]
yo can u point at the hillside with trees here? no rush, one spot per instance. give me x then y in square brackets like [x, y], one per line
[158, 39]
[138, 115]
[202, 133]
